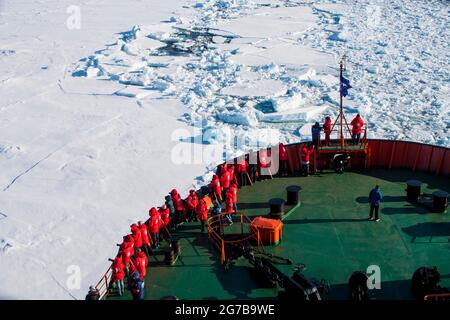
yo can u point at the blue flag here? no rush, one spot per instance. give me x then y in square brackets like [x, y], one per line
[345, 85]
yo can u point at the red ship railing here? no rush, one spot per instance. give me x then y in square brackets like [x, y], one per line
[437, 296]
[103, 285]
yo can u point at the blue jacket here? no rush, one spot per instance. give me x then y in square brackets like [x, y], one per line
[375, 197]
[315, 132]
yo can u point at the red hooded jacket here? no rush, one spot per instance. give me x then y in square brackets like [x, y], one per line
[126, 251]
[177, 202]
[229, 203]
[192, 200]
[141, 265]
[327, 126]
[357, 124]
[222, 169]
[144, 234]
[306, 153]
[117, 269]
[283, 152]
[155, 221]
[225, 179]
[136, 233]
[242, 166]
[233, 191]
[264, 162]
[202, 210]
[215, 185]
[165, 215]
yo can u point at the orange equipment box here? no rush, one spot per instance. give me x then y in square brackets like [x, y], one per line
[270, 230]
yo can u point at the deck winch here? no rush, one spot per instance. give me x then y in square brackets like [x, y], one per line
[296, 287]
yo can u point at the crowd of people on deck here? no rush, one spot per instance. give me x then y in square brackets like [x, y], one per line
[131, 262]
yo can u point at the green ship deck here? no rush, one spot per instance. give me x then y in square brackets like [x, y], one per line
[329, 233]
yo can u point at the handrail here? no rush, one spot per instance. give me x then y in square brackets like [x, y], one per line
[219, 242]
[436, 296]
[103, 285]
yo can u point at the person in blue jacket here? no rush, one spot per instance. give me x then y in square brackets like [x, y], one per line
[137, 287]
[375, 197]
[315, 133]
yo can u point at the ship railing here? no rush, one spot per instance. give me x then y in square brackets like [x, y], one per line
[334, 135]
[103, 285]
[437, 296]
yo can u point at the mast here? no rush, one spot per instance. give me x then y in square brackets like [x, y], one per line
[341, 108]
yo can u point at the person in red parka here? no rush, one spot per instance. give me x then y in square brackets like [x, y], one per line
[327, 130]
[141, 263]
[283, 155]
[154, 224]
[241, 169]
[225, 180]
[191, 204]
[126, 252]
[264, 163]
[164, 212]
[233, 191]
[229, 207]
[202, 213]
[118, 274]
[305, 155]
[357, 125]
[136, 234]
[215, 187]
[146, 245]
[222, 169]
[231, 171]
[179, 207]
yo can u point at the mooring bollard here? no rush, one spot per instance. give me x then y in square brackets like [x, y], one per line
[413, 190]
[440, 201]
[276, 208]
[293, 195]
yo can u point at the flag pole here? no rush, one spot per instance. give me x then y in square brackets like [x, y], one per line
[341, 109]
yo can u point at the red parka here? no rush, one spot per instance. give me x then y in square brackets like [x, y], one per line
[357, 124]
[126, 251]
[225, 179]
[117, 269]
[177, 202]
[136, 233]
[231, 171]
[215, 185]
[282, 152]
[233, 191]
[165, 215]
[242, 166]
[144, 234]
[202, 210]
[229, 203]
[327, 126]
[306, 153]
[264, 162]
[155, 221]
[192, 200]
[222, 169]
[141, 263]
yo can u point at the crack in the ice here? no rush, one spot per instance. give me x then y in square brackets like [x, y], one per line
[61, 286]
[30, 168]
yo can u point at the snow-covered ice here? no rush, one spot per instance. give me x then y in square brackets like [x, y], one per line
[91, 118]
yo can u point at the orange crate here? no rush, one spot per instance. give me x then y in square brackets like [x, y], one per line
[270, 230]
